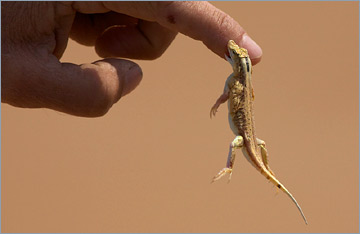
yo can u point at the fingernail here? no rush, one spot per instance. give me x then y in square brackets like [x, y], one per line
[254, 49]
[132, 79]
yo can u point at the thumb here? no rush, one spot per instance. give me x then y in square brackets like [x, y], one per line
[95, 87]
[87, 90]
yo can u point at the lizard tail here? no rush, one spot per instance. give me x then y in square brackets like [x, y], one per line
[277, 183]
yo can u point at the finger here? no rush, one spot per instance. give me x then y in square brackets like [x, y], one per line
[87, 90]
[86, 28]
[119, 35]
[199, 20]
[146, 40]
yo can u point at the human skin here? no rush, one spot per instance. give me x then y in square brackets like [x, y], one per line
[35, 36]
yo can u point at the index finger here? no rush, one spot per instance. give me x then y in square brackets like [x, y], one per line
[198, 20]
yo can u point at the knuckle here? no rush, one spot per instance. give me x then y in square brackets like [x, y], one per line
[165, 11]
[159, 7]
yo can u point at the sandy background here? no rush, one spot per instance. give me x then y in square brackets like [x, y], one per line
[146, 166]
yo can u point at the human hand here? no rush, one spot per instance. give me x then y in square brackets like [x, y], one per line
[35, 35]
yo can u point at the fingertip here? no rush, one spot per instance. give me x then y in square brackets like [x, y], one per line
[132, 79]
[119, 76]
[255, 51]
[255, 61]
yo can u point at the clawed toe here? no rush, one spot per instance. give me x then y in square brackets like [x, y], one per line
[221, 174]
[213, 112]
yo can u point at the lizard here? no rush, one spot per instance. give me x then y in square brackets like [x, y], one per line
[239, 93]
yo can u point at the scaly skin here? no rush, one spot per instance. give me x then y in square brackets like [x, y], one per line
[239, 93]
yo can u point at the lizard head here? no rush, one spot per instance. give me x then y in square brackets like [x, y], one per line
[238, 55]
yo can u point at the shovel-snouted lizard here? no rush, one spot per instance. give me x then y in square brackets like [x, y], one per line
[240, 95]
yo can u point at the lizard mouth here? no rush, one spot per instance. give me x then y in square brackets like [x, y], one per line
[229, 59]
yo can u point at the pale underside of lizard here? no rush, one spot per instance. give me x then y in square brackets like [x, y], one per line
[239, 93]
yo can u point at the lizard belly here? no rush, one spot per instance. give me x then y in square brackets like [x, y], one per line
[252, 156]
[232, 125]
[234, 129]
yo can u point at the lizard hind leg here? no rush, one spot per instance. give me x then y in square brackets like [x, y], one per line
[264, 154]
[237, 143]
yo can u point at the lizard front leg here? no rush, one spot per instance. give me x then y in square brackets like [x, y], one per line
[264, 154]
[223, 97]
[237, 143]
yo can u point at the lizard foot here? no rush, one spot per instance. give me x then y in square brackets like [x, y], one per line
[213, 111]
[222, 173]
[223, 98]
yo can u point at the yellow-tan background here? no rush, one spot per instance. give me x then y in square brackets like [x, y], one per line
[146, 166]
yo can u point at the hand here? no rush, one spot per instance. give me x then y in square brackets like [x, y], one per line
[35, 35]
